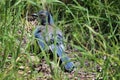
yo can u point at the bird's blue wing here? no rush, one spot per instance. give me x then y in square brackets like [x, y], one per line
[39, 37]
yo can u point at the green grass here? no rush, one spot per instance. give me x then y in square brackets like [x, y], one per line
[91, 26]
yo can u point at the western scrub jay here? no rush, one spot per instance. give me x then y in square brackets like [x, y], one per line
[47, 34]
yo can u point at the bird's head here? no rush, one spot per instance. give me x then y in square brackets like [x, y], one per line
[45, 17]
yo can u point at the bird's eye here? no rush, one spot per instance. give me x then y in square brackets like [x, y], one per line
[42, 16]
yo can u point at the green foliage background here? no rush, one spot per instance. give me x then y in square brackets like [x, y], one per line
[92, 27]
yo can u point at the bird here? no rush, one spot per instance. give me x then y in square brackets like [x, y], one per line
[47, 34]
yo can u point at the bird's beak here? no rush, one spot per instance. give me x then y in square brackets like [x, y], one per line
[34, 15]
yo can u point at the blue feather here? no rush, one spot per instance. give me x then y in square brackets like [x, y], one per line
[68, 65]
[39, 38]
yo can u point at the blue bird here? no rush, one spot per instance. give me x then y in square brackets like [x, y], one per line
[47, 33]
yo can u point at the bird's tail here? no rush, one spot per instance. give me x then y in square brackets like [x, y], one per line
[68, 65]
